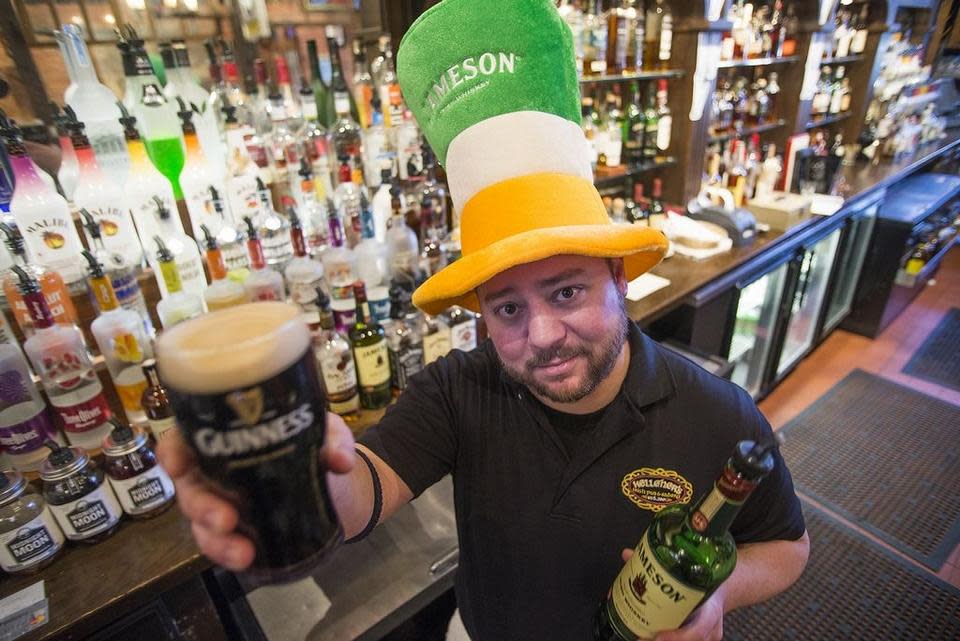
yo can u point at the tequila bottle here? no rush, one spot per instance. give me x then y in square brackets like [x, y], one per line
[122, 341]
[685, 554]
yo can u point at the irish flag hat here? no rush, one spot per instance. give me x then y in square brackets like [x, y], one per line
[493, 84]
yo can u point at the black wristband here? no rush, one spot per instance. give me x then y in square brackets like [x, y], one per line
[377, 499]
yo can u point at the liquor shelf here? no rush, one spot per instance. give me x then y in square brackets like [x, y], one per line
[756, 62]
[91, 586]
[841, 60]
[614, 180]
[627, 76]
[747, 131]
[829, 120]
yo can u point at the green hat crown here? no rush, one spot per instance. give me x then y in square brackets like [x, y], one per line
[455, 70]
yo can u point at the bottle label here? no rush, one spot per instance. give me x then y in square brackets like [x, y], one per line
[436, 346]
[160, 427]
[463, 336]
[94, 513]
[405, 364]
[663, 132]
[52, 240]
[82, 415]
[143, 493]
[647, 598]
[373, 364]
[25, 427]
[126, 288]
[31, 543]
[339, 374]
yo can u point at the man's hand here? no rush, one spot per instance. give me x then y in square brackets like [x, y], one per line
[213, 519]
[705, 624]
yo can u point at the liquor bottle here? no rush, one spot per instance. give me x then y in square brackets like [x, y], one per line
[54, 290]
[613, 126]
[121, 340]
[463, 328]
[339, 261]
[433, 232]
[588, 121]
[346, 133]
[68, 62]
[103, 197]
[651, 128]
[207, 121]
[377, 65]
[403, 249]
[69, 170]
[435, 192]
[773, 92]
[839, 95]
[291, 106]
[347, 201]
[156, 115]
[214, 103]
[821, 99]
[620, 30]
[790, 28]
[60, 358]
[273, 230]
[403, 340]
[572, 14]
[633, 125]
[378, 145]
[630, 207]
[242, 172]
[145, 186]
[263, 283]
[777, 30]
[230, 239]
[198, 177]
[233, 92]
[302, 274]
[24, 422]
[687, 551]
[858, 43]
[658, 33]
[178, 305]
[313, 215]
[362, 83]
[370, 353]
[334, 356]
[370, 253]
[409, 148]
[185, 252]
[315, 142]
[437, 341]
[155, 402]
[223, 291]
[389, 89]
[658, 215]
[664, 120]
[594, 41]
[93, 103]
[769, 172]
[284, 148]
[321, 92]
[381, 202]
[42, 215]
[737, 173]
[123, 275]
[642, 216]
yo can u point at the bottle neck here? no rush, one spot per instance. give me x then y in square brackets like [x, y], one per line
[336, 231]
[171, 276]
[299, 245]
[25, 171]
[218, 268]
[38, 309]
[192, 144]
[138, 153]
[714, 513]
[363, 312]
[103, 292]
[257, 260]
[83, 66]
[86, 159]
[153, 379]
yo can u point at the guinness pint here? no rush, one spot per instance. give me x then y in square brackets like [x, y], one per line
[244, 386]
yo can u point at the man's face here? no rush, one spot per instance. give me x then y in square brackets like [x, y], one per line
[558, 324]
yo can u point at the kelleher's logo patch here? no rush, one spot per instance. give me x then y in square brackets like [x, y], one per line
[656, 488]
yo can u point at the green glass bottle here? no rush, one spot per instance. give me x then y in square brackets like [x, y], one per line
[685, 554]
[633, 125]
[371, 353]
[651, 124]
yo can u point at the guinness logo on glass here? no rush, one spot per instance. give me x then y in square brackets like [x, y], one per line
[247, 404]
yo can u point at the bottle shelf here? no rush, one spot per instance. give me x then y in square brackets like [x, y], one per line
[828, 120]
[842, 60]
[748, 131]
[612, 180]
[756, 62]
[627, 77]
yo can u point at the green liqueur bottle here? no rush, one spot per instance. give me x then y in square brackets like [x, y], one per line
[371, 353]
[685, 554]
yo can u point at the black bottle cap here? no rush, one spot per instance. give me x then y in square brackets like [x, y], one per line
[59, 456]
[166, 54]
[208, 239]
[91, 225]
[185, 112]
[27, 284]
[93, 265]
[14, 239]
[129, 123]
[164, 255]
[755, 460]
[162, 210]
[121, 433]
[251, 228]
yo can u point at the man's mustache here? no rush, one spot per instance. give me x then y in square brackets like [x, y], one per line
[562, 353]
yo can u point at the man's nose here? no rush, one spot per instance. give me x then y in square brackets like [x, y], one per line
[545, 331]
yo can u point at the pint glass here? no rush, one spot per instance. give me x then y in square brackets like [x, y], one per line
[244, 387]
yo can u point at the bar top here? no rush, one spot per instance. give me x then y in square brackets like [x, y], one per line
[90, 586]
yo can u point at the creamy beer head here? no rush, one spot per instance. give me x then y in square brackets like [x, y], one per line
[231, 348]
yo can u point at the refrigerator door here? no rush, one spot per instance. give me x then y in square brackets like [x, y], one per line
[753, 329]
[848, 270]
[808, 298]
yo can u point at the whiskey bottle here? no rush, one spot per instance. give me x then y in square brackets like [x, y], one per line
[155, 403]
[371, 353]
[338, 370]
[685, 554]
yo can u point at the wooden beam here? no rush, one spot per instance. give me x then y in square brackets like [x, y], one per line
[19, 51]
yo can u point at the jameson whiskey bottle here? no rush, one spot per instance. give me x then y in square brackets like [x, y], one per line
[371, 354]
[685, 554]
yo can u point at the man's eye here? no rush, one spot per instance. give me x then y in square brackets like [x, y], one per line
[507, 310]
[567, 293]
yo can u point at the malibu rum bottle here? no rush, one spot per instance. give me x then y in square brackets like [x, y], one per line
[685, 554]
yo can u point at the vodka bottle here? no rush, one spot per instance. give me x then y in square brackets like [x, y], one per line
[122, 341]
[371, 253]
[94, 104]
[302, 274]
[263, 283]
[273, 230]
[339, 261]
[313, 215]
[60, 358]
[41, 214]
[223, 291]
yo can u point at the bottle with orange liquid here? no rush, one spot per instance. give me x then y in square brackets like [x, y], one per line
[223, 291]
[51, 284]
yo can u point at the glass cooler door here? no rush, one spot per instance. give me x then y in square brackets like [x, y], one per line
[854, 252]
[808, 298]
[753, 328]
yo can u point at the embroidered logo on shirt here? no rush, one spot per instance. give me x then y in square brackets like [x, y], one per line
[656, 488]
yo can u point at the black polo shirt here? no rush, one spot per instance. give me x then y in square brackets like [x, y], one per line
[541, 531]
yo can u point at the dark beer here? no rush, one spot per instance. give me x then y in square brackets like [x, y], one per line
[244, 387]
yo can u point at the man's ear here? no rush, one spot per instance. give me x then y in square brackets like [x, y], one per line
[619, 274]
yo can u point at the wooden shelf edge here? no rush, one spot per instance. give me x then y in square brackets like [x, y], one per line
[756, 62]
[601, 182]
[842, 60]
[627, 77]
[749, 131]
[823, 122]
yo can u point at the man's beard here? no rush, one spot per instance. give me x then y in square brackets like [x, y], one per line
[600, 363]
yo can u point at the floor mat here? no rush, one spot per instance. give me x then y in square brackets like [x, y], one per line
[938, 359]
[852, 589]
[886, 458]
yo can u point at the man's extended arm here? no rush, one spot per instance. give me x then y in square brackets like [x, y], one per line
[352, 493]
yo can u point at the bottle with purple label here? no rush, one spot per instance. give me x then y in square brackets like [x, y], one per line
[24, 422]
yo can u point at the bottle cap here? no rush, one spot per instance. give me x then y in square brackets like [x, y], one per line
[26, 284]
[164, 255]
[252, 233]
[62, 461]
[209, 241]
[93, 265]
[12, 485]
[14, 239]
[755, 460]
[123, 439]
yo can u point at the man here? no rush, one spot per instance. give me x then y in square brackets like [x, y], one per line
[546, 426]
